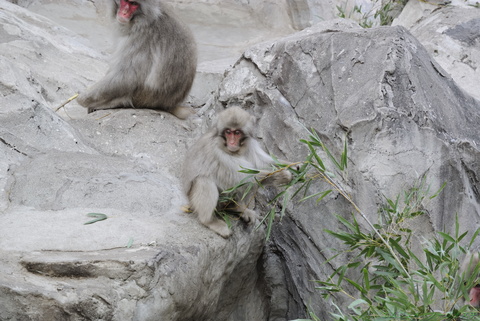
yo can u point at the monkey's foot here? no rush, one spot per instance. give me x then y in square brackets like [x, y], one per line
[248, 216]
[220, 227]
[182, 112]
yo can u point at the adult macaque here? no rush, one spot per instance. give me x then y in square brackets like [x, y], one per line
[212, 165]
[154, 63]
[468, 269]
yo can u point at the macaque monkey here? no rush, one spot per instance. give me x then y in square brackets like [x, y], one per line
[468, 267]
[154, 63]
[212, 165]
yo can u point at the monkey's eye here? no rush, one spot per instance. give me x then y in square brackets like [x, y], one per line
[235, 132]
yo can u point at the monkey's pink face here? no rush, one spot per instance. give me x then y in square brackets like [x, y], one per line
[475, 296]
[126, 10]
[233, 139]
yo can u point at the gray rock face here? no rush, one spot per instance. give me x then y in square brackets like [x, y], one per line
[403, 117]
[450, 34]
[400, 111]
[122, 163]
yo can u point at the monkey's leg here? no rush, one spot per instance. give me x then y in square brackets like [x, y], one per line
[203, 199]
[105, 94]
[182, 112]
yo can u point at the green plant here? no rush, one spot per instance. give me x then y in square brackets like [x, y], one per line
[380, 13]
[248, 185]
[365, 17]
[426, 287]
[304, 173]
[386, 279]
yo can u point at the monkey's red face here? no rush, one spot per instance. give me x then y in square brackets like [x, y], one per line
[475, 296]
[233, 139]
[126, 10]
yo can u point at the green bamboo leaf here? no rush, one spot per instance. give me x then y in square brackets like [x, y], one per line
[317, 158]
[315, 195]
[355, 306]
[457, 226]
[331, 157]
[234, 188]
[341, 236]
[323, 195]
[247, 190]
[366, 279]
[351, 226]
[305, 186]
[98, 217]
[399, 248]
[249, 171]
[447, 237]
[474, 237]
[439, 190]
[344, 162]
[286, 199]
[341, 274]
[433, 279]
[261, 222]
[314, 136]
[416, 259]
[356, 285]
[271, 217]
[462, 236]
[388, 257]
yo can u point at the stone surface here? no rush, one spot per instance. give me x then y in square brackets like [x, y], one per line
[403, 116]
[450, 34]
[148, 260]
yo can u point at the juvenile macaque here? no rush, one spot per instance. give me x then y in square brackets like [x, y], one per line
[468, 267]
[212, 165]
[154, 63]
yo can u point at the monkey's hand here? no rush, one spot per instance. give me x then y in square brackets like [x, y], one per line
[279, 177]
[248, 216]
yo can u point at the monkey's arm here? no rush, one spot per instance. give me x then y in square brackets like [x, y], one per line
[279, 177]
[109, 92]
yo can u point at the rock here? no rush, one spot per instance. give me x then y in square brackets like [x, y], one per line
[450, 34]
[148, 260]
[403, 116]
[231, 28]
[273, 15]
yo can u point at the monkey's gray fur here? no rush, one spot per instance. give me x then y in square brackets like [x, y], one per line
[210, 168]
[467, 270]
[153, 66]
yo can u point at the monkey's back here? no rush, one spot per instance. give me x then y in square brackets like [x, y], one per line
[163, 60]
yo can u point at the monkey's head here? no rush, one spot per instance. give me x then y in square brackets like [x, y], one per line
[474, 295]
[469, 270]
[126, 10]
[234, 126]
